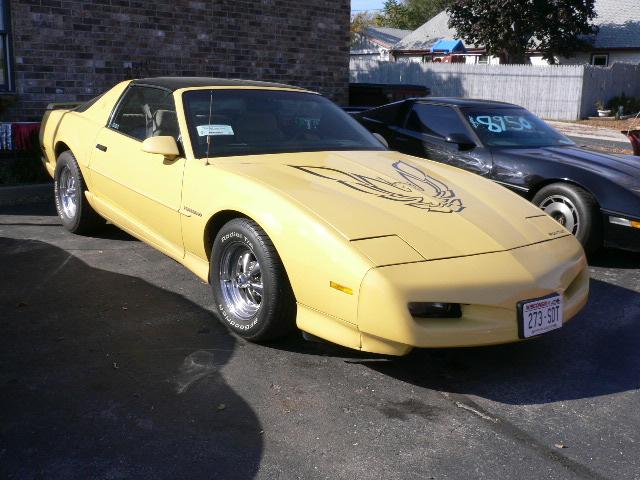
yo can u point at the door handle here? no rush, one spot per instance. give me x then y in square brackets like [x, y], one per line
[102, 148]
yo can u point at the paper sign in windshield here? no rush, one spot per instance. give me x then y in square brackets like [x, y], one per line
[500, 123]
[211, 130]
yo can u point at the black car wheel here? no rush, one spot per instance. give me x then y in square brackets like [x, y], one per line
[575, 209]
[73, 208]
[250, 286]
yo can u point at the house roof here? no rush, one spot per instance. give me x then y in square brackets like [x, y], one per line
[385, 36]
[428, 34]
[618, 20]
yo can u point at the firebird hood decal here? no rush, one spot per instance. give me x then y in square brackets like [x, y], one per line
[412, 186]
[440, 211]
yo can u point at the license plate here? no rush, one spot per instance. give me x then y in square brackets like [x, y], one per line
[539, 316]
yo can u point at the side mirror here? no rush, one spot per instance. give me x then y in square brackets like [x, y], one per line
[462, 140]
[164, 145]
[381, 139]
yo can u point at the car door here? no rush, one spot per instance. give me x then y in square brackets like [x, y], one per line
[142, 191]
[430, 130]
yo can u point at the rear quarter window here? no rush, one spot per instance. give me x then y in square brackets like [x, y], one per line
[146, 112]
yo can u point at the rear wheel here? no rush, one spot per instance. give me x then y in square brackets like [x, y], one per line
[250, 286]
[71, 203]
[575, 209]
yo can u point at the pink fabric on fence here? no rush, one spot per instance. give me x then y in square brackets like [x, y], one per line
[634, 138]
[25, 136]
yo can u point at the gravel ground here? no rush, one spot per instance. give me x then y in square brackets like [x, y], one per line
[617, 125]
[112, 366]
[604, 146]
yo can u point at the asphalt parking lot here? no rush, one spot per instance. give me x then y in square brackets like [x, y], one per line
[112, 366]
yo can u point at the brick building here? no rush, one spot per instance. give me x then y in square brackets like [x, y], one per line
[69, 50]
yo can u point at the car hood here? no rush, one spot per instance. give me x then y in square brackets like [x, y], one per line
[622, 169]
[438, 210]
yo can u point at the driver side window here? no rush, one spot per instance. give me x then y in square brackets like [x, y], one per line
[146, 112]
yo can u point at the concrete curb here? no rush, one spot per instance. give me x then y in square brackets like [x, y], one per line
[26, 194]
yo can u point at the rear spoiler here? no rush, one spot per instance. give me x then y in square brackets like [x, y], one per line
[63, 105]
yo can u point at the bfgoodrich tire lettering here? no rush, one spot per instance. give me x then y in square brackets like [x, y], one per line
[74, 210]
[250, 286]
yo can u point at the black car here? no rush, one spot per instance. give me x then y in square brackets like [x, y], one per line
[594, 195]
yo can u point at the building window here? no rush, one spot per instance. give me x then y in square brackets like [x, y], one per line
[600, 60]
[483, 59]
[6, 57]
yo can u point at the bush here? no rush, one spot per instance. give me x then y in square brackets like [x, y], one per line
[630, 105]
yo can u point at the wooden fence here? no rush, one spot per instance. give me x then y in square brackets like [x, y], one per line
[558, 92]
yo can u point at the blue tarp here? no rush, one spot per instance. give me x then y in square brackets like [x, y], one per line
[448, 46]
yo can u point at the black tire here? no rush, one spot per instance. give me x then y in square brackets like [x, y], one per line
[584, 219]
[82, 218]
[275, 313]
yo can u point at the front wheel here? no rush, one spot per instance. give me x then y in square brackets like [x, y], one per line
[71, 203]
[250, 286]
[575, 209]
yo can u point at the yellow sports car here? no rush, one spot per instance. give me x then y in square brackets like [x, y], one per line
[297, 216]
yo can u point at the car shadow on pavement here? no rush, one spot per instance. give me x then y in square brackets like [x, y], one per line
[111, 232]
[594, 354]
[614, 258]
[103, 375]
[47, 209]
[45, 215]
[38, 214]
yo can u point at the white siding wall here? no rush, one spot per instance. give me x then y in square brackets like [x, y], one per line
[626, 56]
[468, 59]
[578, 59]
[362, 47]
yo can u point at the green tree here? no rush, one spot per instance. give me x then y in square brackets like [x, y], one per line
[360, 21]
[409, 14]
[510, 28]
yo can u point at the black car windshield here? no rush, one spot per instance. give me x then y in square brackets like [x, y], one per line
[512, 127]
[254, 121]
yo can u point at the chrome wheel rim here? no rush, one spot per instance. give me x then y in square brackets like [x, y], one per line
[562, 210]
[241, 280]
[68, 192]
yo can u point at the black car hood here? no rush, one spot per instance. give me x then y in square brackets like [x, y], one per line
[622, 169]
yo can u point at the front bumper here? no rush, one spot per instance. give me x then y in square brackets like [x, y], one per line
[488, 286]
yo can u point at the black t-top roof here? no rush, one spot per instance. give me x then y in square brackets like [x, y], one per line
[175, 83]
[465, 102]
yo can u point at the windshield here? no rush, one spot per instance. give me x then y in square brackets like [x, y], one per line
[250, 122]
[513, 127]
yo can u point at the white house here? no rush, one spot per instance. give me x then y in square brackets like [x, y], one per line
[618, 39]
[376, 42]
[419, 45]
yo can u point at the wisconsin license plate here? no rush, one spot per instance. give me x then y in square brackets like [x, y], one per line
[539, 316]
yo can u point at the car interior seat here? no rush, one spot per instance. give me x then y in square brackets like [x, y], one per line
[165, 122]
